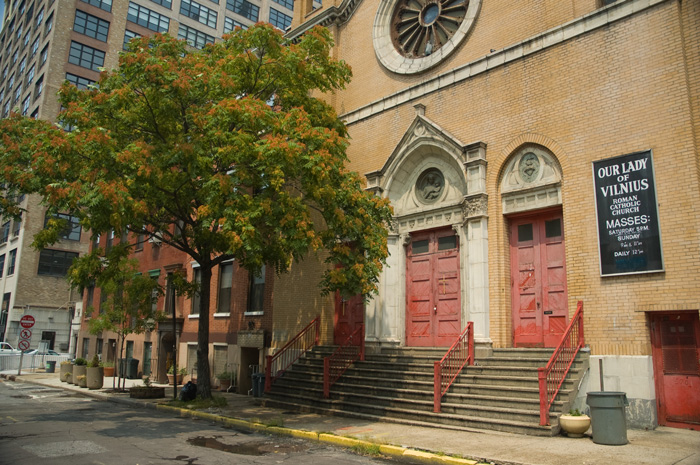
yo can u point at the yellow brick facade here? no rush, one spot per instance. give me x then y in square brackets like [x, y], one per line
[597, 87]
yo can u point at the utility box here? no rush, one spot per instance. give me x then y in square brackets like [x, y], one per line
[608, 417]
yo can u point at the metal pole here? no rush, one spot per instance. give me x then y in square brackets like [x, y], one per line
[172, 304]
[600, 369]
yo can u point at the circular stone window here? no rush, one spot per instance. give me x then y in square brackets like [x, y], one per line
[430, 185]
[411, 36]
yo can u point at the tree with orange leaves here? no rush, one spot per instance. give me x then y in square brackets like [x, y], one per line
[225, 152]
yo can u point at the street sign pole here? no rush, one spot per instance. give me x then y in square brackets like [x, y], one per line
[25, 337]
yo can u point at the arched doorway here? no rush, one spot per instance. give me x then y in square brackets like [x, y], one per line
[531, 192]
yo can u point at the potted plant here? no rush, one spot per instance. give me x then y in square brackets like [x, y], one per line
[66, 371]
[226, 380]
[81, 381]
[147, 391]
[171, 375]
[575, 423]
[95, 374]
[79, 369]
[107, 369]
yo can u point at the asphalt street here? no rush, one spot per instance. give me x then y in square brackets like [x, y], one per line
[45, 425]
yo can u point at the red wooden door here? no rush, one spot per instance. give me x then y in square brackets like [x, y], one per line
[349, 315]
[675, 341]
[538, 280]
[433, 309]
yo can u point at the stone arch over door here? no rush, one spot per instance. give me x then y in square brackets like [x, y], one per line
[434, 182]
[531, 200]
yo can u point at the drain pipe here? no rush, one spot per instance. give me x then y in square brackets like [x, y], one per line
[600, 369]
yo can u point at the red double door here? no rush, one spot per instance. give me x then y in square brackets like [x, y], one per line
[675, 339]
[538, 280]
[433, 308]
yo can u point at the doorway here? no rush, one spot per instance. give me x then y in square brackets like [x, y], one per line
[538, 280]
[433, 304]
[349, 315]
[675, 339]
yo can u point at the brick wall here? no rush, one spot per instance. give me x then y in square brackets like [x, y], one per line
[621, 88]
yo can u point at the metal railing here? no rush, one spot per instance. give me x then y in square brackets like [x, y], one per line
[446, 370]
[553, 375]
[349, 352]
[277, 364]
[29, 362]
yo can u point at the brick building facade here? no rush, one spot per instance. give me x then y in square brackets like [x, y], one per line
[485, 125]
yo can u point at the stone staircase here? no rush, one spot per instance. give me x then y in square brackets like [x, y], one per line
[500, 392]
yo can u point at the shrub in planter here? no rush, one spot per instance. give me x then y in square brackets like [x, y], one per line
[226, 380]
[575, 423]
[108, 368]
[81, 381]
[66, 368]
[79, 370]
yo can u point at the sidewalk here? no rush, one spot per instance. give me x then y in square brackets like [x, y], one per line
[663, 446]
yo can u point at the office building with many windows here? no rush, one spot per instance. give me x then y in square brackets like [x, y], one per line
[42, 44]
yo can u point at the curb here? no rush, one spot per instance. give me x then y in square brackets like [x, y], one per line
[412, 455]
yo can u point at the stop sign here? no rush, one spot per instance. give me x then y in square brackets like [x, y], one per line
[27, 321]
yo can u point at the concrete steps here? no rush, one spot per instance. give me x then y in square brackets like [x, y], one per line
[500, 392]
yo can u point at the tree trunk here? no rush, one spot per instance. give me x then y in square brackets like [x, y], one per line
[203, 370]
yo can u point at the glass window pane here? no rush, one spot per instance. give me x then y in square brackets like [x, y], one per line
[525, 232]
[553, 228]
[447, 242]
[418, 247]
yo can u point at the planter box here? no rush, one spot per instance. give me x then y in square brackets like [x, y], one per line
[95, 377]
[66, 368]
[78, 370]
[146, 392]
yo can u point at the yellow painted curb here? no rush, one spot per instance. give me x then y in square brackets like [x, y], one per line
[312, 435]
[427, 457]
[340, 440]
[395, 451]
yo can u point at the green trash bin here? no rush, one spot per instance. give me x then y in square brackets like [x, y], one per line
[608, 417]
[51, 366]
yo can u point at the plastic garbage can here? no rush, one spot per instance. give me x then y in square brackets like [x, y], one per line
[608, 417]
[258, 384]
[129, 368]
[51, 366]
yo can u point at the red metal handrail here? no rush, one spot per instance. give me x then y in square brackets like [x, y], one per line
[277, 364]
[349, 352]
[553, 375]
[446, 370]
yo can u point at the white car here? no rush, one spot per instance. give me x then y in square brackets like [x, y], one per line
[7, 349]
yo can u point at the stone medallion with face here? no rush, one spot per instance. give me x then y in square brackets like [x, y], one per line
[529, 167]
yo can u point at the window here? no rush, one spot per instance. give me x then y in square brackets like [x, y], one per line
[11, 264]
[35, 114]
[4, 72]
[39, 87]
[166, 3]
[225, 281]
[5, 232]
[91, 26]
[147, 18]
[289, 4]
[257, 292]
[18, 92]
[22, 65]
[26, 37]
[12, 82]
[128, 35]
[39, 17]
[279, 19]
[44, 54]
[49, 25]
[194, 37]
[90, 295]
[198, 12]
[35, 47]
[30, 75]
[55, 262]
[15, 56]
[244, 8]
[25, 105]
[72, 229]
[85, 56]
[231, 24]
[2, 264]
[86, 345]
[197, 297]
[79, 81]
[102, 4]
